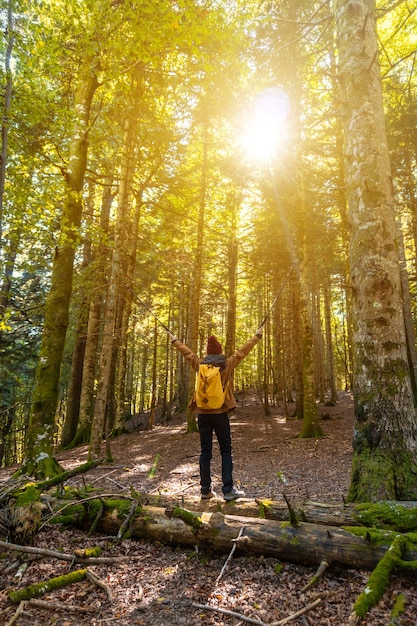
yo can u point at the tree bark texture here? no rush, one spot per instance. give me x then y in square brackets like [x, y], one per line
[385, 435]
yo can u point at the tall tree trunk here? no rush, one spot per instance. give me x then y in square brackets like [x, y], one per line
[408, 318]
[151, 423]
[120, 387]
[342, 207]
[8, 264]
[10, 37]
[329, 342]
[230, 344]
[110, 335]
[69, 428]
[194, 316]
[311, 426]
[94, 327]
[39, 458]
[385, 445]
[298, 356]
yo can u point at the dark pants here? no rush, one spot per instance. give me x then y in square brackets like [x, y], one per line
[221, 426]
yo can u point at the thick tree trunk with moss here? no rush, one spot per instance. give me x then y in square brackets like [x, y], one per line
[385, 437]
[39, 458]
[69, 428]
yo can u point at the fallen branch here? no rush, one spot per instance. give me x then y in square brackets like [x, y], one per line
[50, 606]
[314, 579]
[60, 606]
[235, 541]
[184, 488]
[297, 613]
[17, 614]
[379, 579]
[96, 520]
[92, 577]
[64, 476]
[250, 620]
[61, 556]
[101, 497]
[126, 521]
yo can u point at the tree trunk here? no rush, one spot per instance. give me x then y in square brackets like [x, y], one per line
[194, 315]
[329, 342]
[298, 343]
[305, 544]
[39, 458]
[385, 446]
[230, 344]
[9, 35]
[151, 423]
[121, 412]
[88, 388]
[69, 428]
[399, 516]
[112, 314]
[408, 317]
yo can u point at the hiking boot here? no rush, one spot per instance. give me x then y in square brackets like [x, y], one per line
[233, 494]
[209, 495]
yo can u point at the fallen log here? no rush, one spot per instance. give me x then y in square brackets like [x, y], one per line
[37, 589]
[401, 516]
[306, 544]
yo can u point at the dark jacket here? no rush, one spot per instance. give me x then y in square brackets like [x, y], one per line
[226, 374]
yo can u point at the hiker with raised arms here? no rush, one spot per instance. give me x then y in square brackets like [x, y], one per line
[212, 400]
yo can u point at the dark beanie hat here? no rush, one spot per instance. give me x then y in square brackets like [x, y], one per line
[213, 346]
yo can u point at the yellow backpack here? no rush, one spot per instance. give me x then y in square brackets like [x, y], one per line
[209, 392]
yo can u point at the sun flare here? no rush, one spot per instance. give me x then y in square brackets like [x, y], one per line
[264, 131]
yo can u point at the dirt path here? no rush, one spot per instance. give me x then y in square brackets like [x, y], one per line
[155, 585]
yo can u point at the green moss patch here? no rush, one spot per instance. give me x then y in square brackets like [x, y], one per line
[387, 514]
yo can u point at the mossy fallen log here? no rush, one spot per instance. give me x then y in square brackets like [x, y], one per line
[400, 516]
[306, 544]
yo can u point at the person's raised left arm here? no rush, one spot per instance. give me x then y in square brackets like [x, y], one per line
[234, 360]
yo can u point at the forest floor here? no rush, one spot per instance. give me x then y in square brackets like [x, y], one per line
[156, 585]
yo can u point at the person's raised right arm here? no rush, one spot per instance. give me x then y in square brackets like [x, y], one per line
[188, 354]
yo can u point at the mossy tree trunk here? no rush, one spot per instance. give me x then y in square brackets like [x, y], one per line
[385, 436]
[39, 458]
[69, 428]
